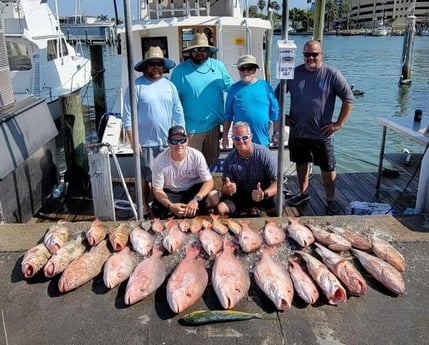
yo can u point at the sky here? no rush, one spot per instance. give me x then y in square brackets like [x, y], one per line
[106, 7]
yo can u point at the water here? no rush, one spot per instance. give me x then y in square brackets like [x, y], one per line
[372, 64]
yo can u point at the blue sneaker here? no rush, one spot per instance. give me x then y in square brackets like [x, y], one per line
[299, 199]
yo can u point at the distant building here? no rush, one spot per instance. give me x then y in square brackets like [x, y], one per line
[367, 13]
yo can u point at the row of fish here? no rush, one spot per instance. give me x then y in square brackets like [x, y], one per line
[134, 251]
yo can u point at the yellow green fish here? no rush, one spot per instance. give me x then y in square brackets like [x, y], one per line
[203, 317]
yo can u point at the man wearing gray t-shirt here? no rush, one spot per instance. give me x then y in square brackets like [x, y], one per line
[313, 92]
[249, 176]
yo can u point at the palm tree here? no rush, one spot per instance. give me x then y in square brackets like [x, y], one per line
[261, 5]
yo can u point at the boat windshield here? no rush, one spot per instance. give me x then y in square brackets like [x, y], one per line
[18, 56]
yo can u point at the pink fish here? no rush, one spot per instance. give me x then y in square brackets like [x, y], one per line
[382, 271]
[146, 277]
[187, 282]
[384, 250]
[304, 286]
[84, 268]
[34, 259]
[299, 233]
[173, 238]
[118, 267]
[57, 236]
[96, 233]
[211, 241]
[185, 225]
[232, 225]
[273, 234]
[357, 240]
[274, 281]
[65, 255]
[325, 279]
[119, 236]
[218, 226]
[141, 241]
[157, 225]
[344, 270]
[230, 279]
[331, 240]
[196, 225]
[249, 239]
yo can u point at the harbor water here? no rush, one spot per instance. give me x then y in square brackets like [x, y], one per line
[372, 65]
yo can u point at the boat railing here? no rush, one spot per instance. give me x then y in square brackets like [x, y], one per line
[85, 65]
[158, 9]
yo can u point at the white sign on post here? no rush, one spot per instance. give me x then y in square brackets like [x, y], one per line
[286, 59]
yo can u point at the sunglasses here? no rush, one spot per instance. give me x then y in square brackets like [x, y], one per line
[249, 68]
[200, 50]
[311, 54]
[155, 64]
[178, 141]
[240, 137]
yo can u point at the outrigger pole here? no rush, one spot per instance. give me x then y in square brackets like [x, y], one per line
[133, 103]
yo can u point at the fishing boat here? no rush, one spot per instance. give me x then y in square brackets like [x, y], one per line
[41, 62]
[380, 30]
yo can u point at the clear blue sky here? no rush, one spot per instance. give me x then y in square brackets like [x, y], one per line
[97, 7]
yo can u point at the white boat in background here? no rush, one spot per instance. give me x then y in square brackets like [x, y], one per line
[380, 30]
[41, 62]
[171, 25]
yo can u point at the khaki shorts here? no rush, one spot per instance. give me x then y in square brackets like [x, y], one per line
[207, 143]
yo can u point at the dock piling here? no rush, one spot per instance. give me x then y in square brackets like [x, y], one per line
[96, 53]
[407, 51]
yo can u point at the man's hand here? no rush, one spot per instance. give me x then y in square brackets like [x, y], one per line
[191, 209]
[229, 188]
[258, 193]
[178, 209]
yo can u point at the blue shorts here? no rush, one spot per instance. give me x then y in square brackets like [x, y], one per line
[317, 151]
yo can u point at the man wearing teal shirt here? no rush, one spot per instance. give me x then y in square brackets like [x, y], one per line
[201, 82]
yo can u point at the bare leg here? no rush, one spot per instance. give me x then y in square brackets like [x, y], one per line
[303, 171]
[329, 178]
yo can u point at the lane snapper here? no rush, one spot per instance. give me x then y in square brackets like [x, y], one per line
[119, 236]
[232, 225]
[344, 270]
[325, 279]
[96, 233]
[357, 240]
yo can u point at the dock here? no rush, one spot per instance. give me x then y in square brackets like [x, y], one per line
[391, 192]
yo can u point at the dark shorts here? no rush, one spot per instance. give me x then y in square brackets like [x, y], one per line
[159, 211]
[318, 151]
[146, 160]
[241, 202]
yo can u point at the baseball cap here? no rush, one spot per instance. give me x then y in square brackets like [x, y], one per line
[177, 130]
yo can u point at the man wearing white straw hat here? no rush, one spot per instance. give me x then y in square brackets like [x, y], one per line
[158, 108]
[201, 82]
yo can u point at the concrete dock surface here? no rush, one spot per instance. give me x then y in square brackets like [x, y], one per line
[33, 311]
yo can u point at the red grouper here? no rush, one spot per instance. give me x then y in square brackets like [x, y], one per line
[65, 255]
[344, 270]
[303, 284]
[274, 281]
[230, 278]
[34, 259]
[325, 279]
[84, 268]
[96, 233]
[188, 281]
[118, 267]
[146, 277]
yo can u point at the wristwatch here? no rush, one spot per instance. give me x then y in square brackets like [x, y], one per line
[266, 195]
[197, 198]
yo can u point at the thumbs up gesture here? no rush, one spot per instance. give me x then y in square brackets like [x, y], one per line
[229, 188]
[258, 193]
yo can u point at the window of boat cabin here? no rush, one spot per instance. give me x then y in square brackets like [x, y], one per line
[54, 49]
[18, 56]
[186, 34]
[160, 41]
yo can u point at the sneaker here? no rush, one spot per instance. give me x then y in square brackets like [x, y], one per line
[299, 199]
[333, 209]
